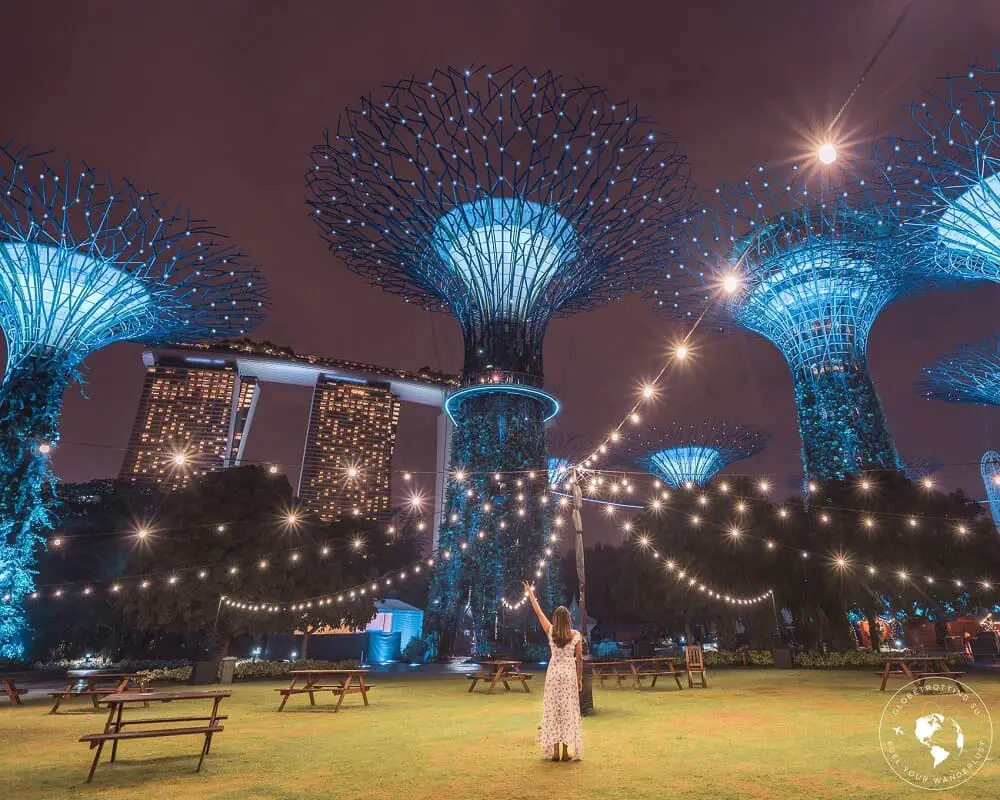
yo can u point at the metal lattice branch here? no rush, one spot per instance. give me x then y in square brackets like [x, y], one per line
[947, 166]
[682, 454]
[502, 196]
[969, 374]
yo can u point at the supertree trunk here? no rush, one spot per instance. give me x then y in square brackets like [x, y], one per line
[30, 400]
[498, 440]
[842, 424]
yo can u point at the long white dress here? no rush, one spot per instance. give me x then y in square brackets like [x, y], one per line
[561, 702]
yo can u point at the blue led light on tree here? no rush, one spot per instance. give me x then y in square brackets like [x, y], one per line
[505, 198]
[85, 262]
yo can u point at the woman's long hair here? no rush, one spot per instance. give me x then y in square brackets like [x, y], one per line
[562, 626]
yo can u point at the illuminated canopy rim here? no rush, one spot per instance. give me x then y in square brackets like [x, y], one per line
[85, 261]
[454, 400]
[387, 187]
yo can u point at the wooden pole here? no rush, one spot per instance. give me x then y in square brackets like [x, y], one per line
[587, 695]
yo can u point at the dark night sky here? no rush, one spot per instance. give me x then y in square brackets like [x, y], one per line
[217, 105]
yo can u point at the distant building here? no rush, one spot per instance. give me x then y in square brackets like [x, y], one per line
[347, 464]
[198, 404]
[184, 426]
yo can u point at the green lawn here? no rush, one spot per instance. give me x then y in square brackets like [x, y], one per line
[751, 734]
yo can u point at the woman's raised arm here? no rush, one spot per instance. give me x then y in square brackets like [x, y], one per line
[542, 619]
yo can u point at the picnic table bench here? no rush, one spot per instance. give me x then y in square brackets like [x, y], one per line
[918, 668]
[113, 727]
[499, 672]
[119, 682]
[338, 681]
[10, 689]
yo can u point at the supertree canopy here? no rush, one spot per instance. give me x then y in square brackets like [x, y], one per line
[505, 198]
[85, 262]
[690, 455]
[806, 259]
[948, 166]
[969, 374]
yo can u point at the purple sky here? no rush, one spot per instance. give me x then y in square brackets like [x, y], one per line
[217, 105]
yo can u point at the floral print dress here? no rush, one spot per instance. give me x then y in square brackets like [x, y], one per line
[561, 701]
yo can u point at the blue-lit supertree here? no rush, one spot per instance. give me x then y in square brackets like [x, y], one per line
[946, 164]
[968, 374]
[990, 470]
[691, 455]
[505, 198]
[85, 262]
[806, 258]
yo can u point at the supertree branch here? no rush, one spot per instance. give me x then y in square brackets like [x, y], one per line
[969, 374]
[807, 259]
[947, 166]
[504, 198]
[690, 455]
[84, 262]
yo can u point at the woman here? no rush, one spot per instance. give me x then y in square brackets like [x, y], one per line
[561, 729]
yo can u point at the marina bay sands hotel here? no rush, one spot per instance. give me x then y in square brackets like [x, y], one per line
[197, 409]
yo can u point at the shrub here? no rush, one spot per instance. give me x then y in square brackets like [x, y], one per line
[727, 658]
[858, 658]
[415, 651]
[250, 670]
[168, 674]
[533, 652]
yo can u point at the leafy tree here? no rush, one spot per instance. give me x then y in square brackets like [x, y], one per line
[238, 535]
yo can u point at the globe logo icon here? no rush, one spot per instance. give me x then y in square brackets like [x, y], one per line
[935, 735]
[941, 735]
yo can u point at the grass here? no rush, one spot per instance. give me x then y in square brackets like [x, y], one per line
[751, 734]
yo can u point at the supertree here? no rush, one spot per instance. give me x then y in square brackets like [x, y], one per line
[505, 198]
[921, 469]
[968, 374]
[990, 470]
[86, 261]
[807, 259]
[946, 163]
[691, 455]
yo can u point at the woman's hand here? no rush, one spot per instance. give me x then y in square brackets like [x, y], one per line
[527, 588]
[579, 685]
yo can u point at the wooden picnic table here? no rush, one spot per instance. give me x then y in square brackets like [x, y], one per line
[499, 672]
[339, 681]
[918, 668]
[10, 689]
[619, 670]
[118, 682]
[652, 668]
[116, 704]
[635, 668]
